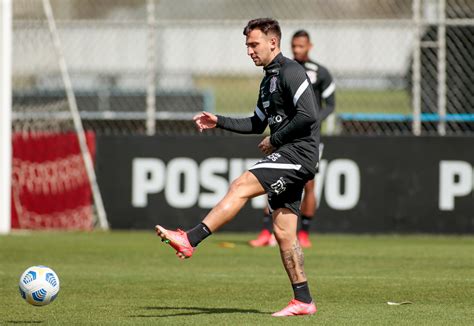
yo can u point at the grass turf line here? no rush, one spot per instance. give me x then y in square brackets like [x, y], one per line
[131, 278]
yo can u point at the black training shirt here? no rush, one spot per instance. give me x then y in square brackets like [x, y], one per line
[323, 87]
[286, 103]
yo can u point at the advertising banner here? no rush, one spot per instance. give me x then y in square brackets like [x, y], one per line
[365, 184]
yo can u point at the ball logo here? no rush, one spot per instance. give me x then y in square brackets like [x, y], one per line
[51, 279]
[29, 277]
[39, 295]
[279, 186]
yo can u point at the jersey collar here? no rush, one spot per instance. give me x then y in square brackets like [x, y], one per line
[274, 66]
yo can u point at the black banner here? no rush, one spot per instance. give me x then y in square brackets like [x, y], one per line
[365, 184]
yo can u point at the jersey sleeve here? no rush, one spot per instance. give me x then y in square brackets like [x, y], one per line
[328, 94]
[255, 124]
[296, 85]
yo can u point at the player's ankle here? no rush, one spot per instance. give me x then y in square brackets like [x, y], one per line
[198, 233]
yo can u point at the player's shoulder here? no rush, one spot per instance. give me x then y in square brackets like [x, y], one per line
[316, 66]
[291, 68]
[311, 65]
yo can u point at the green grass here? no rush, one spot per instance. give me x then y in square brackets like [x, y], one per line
[132, 278]
[239, 95]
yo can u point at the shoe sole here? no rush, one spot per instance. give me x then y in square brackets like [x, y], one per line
[306, 314]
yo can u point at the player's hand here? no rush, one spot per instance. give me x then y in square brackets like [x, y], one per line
[205, 120]
[265, 146]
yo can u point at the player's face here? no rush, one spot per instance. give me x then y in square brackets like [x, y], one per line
[260, 47]
[300, 47]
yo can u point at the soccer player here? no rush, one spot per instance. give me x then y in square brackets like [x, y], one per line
[286, 103]
[324, 89]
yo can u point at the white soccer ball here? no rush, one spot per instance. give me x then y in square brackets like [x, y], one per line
[39, 285]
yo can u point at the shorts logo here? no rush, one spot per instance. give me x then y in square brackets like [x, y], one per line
[273, 84]
[279, 186]
[273, 157]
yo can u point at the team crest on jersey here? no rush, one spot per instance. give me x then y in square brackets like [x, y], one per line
[273, 84]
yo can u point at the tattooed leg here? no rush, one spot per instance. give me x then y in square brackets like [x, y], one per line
[293, 260]
[284, 225]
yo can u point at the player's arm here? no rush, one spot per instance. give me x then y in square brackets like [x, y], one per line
[295, 82]
[255, 124]
[328, 95]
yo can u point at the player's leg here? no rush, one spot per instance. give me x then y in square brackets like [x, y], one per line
[241, 190]
[284, 227]
[308, 209]
[265, 237]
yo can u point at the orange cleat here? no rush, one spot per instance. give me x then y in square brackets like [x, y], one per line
[177, 239]
[303, 238]
[263, 239]
[296, 308]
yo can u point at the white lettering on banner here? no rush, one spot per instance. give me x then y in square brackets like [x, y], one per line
[186, 169]
[181, 180]
[213, 182]
[320, 180]
[335, 198]
[455, 180]
[148, 177]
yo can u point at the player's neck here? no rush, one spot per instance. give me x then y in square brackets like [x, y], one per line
[273, 56]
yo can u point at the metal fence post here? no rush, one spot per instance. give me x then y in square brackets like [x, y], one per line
[416, 70]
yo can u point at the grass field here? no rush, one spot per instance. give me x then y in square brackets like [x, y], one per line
[132, 278]
[239, 95]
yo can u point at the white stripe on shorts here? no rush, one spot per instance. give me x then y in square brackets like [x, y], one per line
[281, 166]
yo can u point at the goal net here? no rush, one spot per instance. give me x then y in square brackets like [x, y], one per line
[53, 179]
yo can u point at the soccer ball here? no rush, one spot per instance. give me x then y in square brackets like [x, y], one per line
[39, 285]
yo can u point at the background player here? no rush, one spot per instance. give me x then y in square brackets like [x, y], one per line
[286, 103]
[324, 89]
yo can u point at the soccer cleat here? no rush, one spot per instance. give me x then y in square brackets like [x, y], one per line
[177, 239]
[303, 238]
[296, 308]
[262, 240]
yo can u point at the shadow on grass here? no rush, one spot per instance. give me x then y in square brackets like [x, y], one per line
[192, 311]
[24, 321]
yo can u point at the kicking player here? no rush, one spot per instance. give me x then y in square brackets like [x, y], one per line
[324, 89]
[286, 103]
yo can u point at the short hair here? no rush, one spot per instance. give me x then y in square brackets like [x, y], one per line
[301, 33]
[266, 25]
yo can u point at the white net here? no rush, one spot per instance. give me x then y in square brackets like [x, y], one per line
[52, 185]
[199, 60]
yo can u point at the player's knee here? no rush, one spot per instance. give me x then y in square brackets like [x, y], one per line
[238, 186]
[283, 235]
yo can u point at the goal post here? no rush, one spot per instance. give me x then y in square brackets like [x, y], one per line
[102, 217]
[5, 114]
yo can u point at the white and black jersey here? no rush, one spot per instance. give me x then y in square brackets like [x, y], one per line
[323, 86]
[286, 103]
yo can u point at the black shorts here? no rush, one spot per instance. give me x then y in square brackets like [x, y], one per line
[282, 180]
